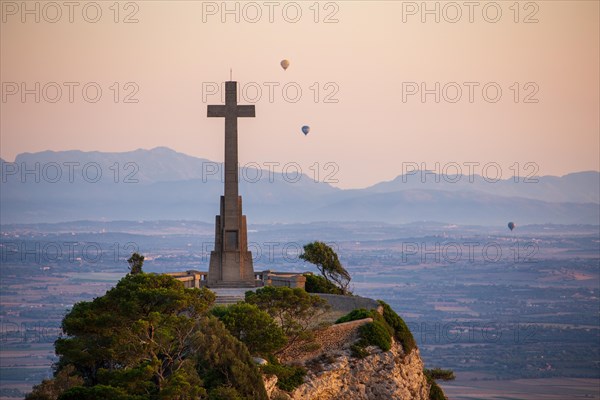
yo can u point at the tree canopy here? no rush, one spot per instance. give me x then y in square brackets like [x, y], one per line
[327, 263]
[150, 338]
[136, 261]
[317, 284]
[295, 310]
[253, 327]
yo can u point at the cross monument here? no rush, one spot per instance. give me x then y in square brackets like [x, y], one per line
[231, 262]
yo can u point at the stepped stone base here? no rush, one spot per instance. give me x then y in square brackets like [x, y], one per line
[226, 296]
[227, 300]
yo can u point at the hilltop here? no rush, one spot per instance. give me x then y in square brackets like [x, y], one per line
[151, 338]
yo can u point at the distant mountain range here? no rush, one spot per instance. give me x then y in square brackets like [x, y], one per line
[161, 184]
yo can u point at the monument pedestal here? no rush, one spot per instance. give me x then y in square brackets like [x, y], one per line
[231, 262]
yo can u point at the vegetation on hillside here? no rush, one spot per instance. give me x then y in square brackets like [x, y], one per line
[381, 330]
[318, 284]
[253, 327]
[355, 315]
[440, 374]
[294, 310]
[399, 327]
[289, 377]
[435, 391]
[149, 338]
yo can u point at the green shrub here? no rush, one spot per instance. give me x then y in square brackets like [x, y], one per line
[224, 393]
[355, 315]
[401, 331]
[379, 332]
[289, 377]
[252, 326]
[219, 311]
[376, 334]
[309, 347]
[318, 284]
[438, 373]
[64, 379]
[358, 351]
[294, 309]
[223, 361]
[98, 392]
[435, 391]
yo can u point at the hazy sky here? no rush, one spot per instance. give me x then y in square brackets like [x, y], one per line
[373, 58]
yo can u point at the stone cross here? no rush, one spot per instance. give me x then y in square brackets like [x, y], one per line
[231, 262]
[231, 112]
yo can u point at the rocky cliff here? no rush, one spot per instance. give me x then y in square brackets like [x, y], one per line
[335, 373]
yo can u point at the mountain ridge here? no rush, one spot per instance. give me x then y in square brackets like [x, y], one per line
[164, 184]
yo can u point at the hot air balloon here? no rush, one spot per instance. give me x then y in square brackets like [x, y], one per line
[284, 64]
[511, 225]
[305, 129]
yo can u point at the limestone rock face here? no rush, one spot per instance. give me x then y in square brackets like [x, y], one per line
[270, 381]
[380, 375]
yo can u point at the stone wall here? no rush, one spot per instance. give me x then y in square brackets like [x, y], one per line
[346, 304]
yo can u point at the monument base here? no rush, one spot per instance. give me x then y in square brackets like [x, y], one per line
[242, 277]
[228, 294]
[230, 262]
